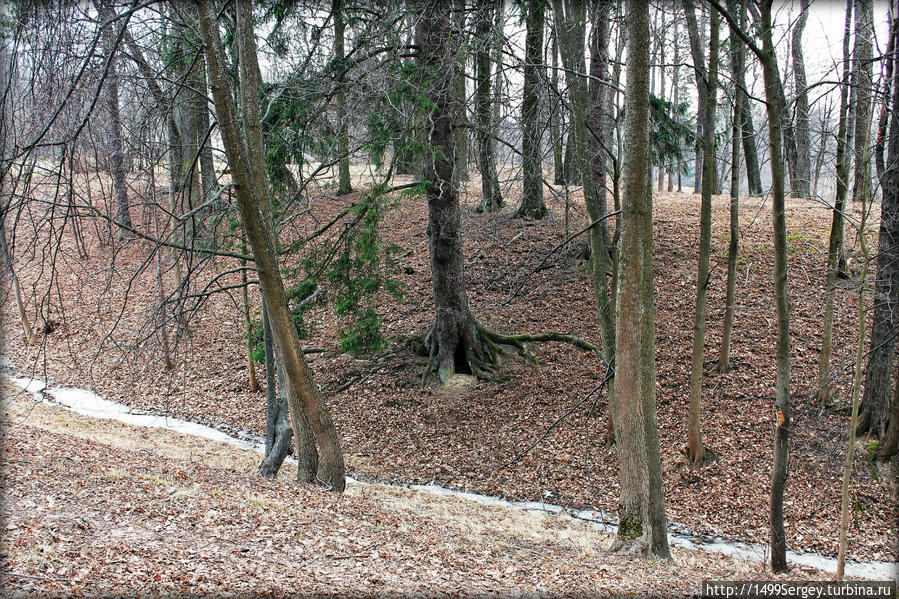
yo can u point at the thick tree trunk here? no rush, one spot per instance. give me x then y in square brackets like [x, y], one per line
[862, 85]
[116, 141]
[276, 453]
[343, 138]
[874, 416]
[491, 199]
[890, 443]
[835, 243]
[532, 203]
[801, 181]
[455, 342]
[310, 419]
[460, 173]
[641, 505]
[695, 449]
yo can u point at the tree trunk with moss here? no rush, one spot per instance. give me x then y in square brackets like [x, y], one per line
[641, 506]
[532, 203]
[310, 419]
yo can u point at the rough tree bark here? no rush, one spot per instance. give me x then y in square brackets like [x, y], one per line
[801, 181]
[310, 419]
[641, 504]
[835, 243]
[696, 452]
[862, 84]
[874, 414]
[492, 199]
[532, 203]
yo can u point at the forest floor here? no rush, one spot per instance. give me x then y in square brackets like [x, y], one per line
[95, 507]
[469, 435]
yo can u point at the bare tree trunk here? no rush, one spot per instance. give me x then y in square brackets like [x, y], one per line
[801, 181]
[343, 138]
[776, 108]
[570, 22]
[835, 243]
[641, 505]
[555, 122]
[116, 142]
[245, 299]
[14, 281]
[737, 64]
[696, 452]
[461, 159]
[310, 419]
[532, 203]
[875, 407]
[491, 199]
[856, 385]
[696, 49]
[890, 443]
[862, 84]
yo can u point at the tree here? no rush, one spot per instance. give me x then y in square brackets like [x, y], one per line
[696, 49]
[835, 243]
[776, 116]
[801, 182]
[310, 419]
[862, 83]
[532, 203]
[641, 505]
[737, 64]
[111, 100]
[570, 24]
[696, 453]
[492, 198]
[343, 141]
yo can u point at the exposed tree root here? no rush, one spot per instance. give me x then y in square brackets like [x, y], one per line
[478, 351]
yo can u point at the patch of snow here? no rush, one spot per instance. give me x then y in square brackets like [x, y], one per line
[88, 403]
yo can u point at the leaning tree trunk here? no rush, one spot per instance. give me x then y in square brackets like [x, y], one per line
[836, 227]
[641, 505]
[532, 203]
[310, 419]
[753, 171]
[696, 452]
[343, 138]
[801, 182]
[492, 199]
